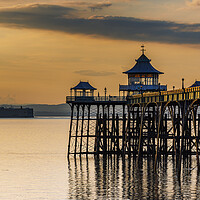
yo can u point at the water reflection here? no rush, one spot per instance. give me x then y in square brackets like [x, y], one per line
[111, 177]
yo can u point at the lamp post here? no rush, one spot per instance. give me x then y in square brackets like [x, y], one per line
[182, 83]
[71, 92]
[159, 89]
[105, 90]
[141, 89]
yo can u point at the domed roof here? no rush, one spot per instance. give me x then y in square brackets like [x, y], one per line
[83, 86]
[143, 66]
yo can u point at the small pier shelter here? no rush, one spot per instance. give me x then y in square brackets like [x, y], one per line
[142, 77]
[83, 89]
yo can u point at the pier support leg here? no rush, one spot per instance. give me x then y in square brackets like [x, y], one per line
[88, 130]
[81, 142]
[77, 127]
[140, 145]
[70, 129]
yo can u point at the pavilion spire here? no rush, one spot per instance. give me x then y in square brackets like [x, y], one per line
[143, 49]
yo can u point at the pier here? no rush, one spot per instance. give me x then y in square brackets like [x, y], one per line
[148, 121]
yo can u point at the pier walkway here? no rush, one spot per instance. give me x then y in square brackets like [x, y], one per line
[192, 93]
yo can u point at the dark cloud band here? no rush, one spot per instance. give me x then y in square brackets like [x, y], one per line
[59, 18]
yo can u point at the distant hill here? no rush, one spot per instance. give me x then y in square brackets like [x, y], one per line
[45, 109]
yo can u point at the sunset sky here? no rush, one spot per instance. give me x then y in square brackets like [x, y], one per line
[48, 46]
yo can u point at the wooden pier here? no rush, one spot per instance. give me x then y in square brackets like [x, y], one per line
[147, 120]
[148, 124]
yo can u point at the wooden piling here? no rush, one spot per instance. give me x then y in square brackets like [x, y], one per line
[88, 129]
[77, 126]
[70, 129]
[81, 142]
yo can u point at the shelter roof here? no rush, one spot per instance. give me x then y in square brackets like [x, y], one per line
[83, 86]
[195, 84]
[143, 66]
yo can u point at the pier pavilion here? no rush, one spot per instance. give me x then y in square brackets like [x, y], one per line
[152, 123]
[142, 77]
[83, 89]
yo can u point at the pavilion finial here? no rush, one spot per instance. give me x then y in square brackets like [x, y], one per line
[143, 49]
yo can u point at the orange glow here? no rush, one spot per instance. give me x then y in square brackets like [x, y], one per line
[41, 66]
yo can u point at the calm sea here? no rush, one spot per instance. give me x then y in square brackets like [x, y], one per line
[33, 165]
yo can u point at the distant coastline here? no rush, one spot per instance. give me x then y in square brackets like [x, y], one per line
[44, 109]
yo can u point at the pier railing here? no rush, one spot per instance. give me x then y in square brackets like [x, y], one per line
[166, 96]
[162, 96]
[70, 99]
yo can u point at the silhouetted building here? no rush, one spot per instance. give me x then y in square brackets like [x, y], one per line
[16, 112]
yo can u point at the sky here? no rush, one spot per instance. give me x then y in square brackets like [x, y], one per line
[48, 46]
